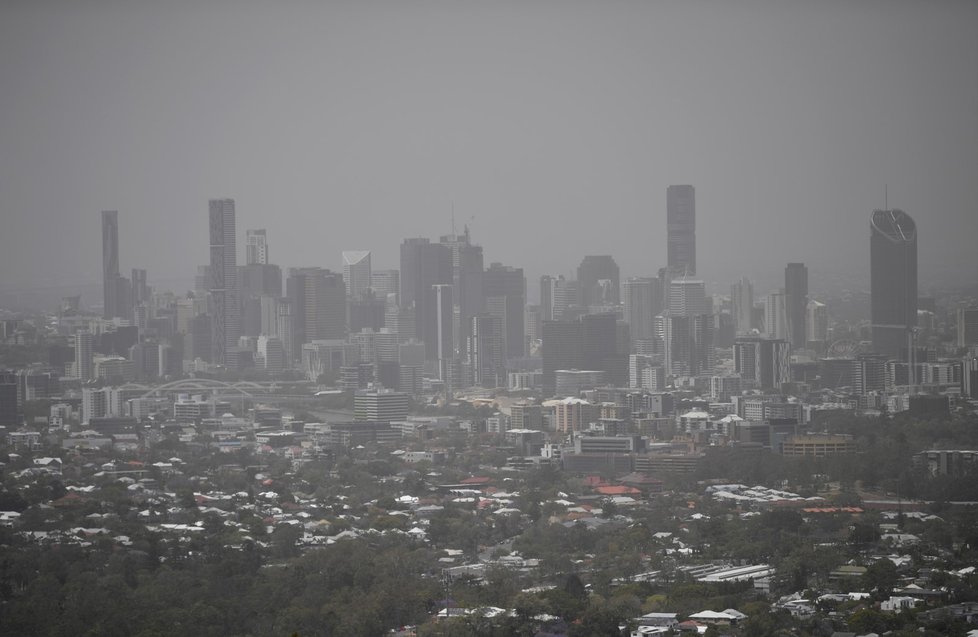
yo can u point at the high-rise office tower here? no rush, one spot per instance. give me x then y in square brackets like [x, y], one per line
[385, 282]
[505, 291]
[817, 322]
[440, 334]
[256, 247]
[84, 355]
[318, 306]
[688, 344]
[593, 342]
[259, 279]
[561, 348]
[688, 329]
[742, 302]
[468, 280]
[285, 330]
[764, 361]
[356, 273]
[598, 281]
[687, 297]
[642, 298]
[556, 295]
[967, 326]
[140, 290]
[893, 282]
[225, 305]
[485, 351]
[796, 302]
[532, 324]
[10, 413]
[681, 229]
[110, 263]
[423, 264]
[776, 315]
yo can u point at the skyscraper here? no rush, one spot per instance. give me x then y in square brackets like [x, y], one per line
[110, 263]
[762, 360]
[468, 280]
[967, 326]
[742, 300]
[817, 322]
[385, 282]
[556, 294]
[317, 298]
[689, 347]
[440, 333]
[84, 353]
[687, 297]
[681, 229]
[893, 281]
[505, 291]
[642, 303]
[423, 264]
[485, 351]
[140, 291]
[776, 315]
[256, 247]
[593, 342]
[356, 272]
[796, 302]
[225, 306]
[598, 281]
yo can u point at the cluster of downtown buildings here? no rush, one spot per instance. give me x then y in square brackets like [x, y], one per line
[445, 324]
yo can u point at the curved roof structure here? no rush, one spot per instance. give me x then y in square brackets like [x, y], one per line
[895, 225]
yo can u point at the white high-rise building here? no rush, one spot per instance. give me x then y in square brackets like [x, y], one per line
[356, 272]
[776, 315]
[256, 247]
[95, 403]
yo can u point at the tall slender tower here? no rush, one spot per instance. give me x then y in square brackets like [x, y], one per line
[742, 298]
[110, 263]
[84, 348]
[796, 302]
[893, 282]
[226, 319]
[681, 229]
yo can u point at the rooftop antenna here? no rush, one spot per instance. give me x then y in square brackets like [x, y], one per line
[453, 217]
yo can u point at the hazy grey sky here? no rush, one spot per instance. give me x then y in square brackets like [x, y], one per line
[554, 127]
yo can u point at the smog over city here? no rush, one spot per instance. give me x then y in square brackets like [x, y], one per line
[488, 318]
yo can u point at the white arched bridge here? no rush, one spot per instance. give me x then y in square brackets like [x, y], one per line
[244, 389]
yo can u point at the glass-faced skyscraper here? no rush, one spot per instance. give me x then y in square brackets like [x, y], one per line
[681, 229]
[893, 281]
[796, 302]
[110, 263]
[226, 319]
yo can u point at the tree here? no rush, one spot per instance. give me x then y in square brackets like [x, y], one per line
[881, 576]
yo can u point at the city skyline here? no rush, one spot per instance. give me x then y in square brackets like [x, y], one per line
[793, 143]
